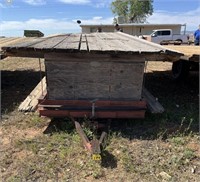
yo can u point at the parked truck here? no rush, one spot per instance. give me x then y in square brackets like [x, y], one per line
[165, 37]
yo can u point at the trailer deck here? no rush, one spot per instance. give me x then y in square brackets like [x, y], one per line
[5, 41]
[191, 52]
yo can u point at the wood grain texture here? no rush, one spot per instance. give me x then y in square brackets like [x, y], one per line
[80, 57]
[95, 43]
[11, 41]
[31, 101]
[71, 42]
[113, 80]
[153, 105]
[49, 43]
[84, 44]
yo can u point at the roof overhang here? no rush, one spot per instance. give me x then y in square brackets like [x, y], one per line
[116, 44]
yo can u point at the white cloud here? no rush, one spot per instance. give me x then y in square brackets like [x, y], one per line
[6, 4]
[44, 24]
[102, 3]
[96, 3]
[98, 20]
[191, 18]
[75, 1]
[1, 5]
[52, 26]
[47, 26]
[35, 2]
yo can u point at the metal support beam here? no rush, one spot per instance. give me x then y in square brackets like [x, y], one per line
[93, 146]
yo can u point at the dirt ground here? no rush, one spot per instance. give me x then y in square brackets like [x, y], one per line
[187, 50]
[162, 147]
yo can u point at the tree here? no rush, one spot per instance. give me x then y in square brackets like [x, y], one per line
[134, 11]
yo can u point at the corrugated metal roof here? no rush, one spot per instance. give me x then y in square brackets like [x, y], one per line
[101, 43]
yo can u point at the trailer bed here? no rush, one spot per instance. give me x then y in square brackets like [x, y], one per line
[191, 52]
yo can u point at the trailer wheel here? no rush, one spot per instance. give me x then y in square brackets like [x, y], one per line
[180, 69]
[178, 42]
[163, 43]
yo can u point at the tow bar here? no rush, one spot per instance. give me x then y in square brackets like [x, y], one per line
[94, 146]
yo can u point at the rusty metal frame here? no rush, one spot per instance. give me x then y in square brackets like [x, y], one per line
[94, 109]
[93, 146]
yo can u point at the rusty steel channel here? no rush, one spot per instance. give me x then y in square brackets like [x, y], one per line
[93, 146]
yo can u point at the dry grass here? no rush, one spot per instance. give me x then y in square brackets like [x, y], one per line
[187, 50]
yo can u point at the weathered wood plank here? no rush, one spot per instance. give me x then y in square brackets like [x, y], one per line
[30, 103]
[84, 91]
[124, 43]
[108, 42]
[126, 80]
[72, 42]
[73, 69]
[50, 42]
[78, 80]
[152, 103]
[5, 40]
[114, 42]
[94, 79]
[60, 92]
[145, 46]
[23, 53]
[119, 43]
[84, 43]
[72, 79]
[11, 41]
[92, 91]
[98, 43]
[79, 57]
[28, 42]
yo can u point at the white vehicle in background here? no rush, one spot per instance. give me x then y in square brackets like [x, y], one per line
[166, 36]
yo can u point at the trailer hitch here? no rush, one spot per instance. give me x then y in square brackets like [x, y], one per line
[93, 146]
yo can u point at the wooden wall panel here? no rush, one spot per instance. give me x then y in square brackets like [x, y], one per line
[126, 80]
[114, 80]
[60, 92]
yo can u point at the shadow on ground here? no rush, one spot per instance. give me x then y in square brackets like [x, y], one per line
[180, 100]
[181, 103]
[16, 86]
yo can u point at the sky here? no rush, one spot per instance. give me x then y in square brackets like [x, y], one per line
[60, 16]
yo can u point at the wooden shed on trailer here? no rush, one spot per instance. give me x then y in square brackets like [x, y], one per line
[93, 75]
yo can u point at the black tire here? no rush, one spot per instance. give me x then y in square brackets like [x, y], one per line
[179, 42]
[180, 69]
[163, 43]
